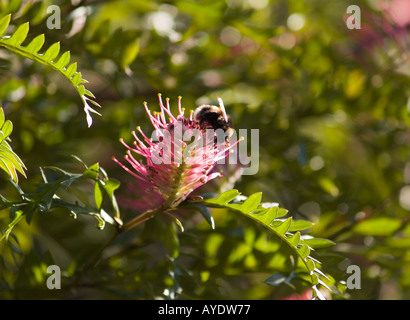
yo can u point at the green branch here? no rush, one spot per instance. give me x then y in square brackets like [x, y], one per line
[270, 217]
[48, 58]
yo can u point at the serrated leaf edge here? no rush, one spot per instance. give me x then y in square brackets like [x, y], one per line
[48, 58]
[262, 216]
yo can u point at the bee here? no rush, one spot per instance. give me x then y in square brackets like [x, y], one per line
[213, 117]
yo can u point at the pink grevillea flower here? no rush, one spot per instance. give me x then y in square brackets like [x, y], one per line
[139, 196]
[179, 156]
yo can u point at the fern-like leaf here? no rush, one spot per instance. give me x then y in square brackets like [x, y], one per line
[270, 216]
[48, 58]
[9, 161]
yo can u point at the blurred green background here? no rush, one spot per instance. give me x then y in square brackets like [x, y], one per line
[331, 105]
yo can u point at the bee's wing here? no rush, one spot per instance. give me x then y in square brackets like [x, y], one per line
[221, 105]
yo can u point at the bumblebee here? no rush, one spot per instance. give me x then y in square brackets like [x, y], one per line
[209, 116]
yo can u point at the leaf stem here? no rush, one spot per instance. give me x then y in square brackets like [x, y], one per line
[141, 218]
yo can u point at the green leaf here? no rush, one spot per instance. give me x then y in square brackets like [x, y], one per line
[310, 264]
[98, 195]
[295, 239]
[71, 70]
[283, 227]
[399, 242]
[6, 151]
[46, 197]
[207, 215]
[298, 225]
[203, 210]
[14, 42]
[52, 52]
[67, 178]
[110, 186]
[277, 279]
[92, 171]
[318, 243]
[249, 204]
[281, 213]
[2, 117]
[36, 44]
[304, 251]
[19, 35]
[88, 93]
[129, 53]
[81, 90]
[11, 6]
[225, 197]
[8, 167]
[315, 279]
[16, 219]
[76, 79]
[379, 226]
[329, 186]
[63, 61]
[79, 160]
[176, 220]
[4, 23]
[268, 217]
[7, 128]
